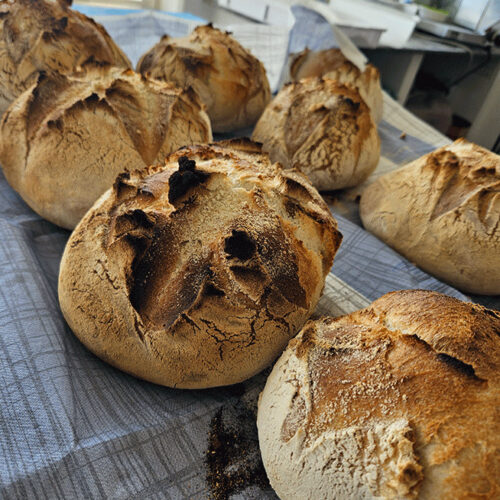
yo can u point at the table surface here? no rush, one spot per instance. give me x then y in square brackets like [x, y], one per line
[71, 426]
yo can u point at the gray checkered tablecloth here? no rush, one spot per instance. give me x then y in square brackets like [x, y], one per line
[71, 426]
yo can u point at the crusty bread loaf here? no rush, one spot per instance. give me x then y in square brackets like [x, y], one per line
[331, 63]
[227, 77]
[197, 273]
[323, 129]
[47, 35]
[442, 212]
[400, 400]
[64, 141]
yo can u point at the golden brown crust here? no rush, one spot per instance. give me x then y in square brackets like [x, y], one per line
[461, 330]
[67, 137]
[332, 64]
[322, 129]
[442, 212]
[229, 80]
[196, 273]
[414, 377]
[47, 36]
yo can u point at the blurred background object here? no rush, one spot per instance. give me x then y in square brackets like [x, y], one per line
[437, 69]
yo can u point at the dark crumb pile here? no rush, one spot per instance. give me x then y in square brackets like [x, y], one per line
[233, 457]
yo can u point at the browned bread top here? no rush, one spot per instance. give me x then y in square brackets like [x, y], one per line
[67, 137]
[227, 77]
[47, 36]
[398, 400]
[197, 273]
[331, 63]
[322, 128]
[442, 211]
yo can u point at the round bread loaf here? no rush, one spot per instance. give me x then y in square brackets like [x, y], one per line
[400, 400]
[229, 80]
[64, 141]
[197, 273]
[442, 212]
[332, 64]
[323, 129]
[47, 35]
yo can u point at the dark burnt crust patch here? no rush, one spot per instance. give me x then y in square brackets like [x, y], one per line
[186, 178]
[239, 245]
[154, 283]
[354, 105]
[195, 63]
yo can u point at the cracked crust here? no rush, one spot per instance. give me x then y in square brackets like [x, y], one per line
[65, 139]
[400, 400]
[228, 78]
[323, 129]
[47, 36]
[203, 288]
[442, 212]
[332, 64]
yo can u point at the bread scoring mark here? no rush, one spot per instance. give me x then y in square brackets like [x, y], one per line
[295, 418]
[494, 314]
[210, 290]
[297, 190]
[458, 180]
[141, 218]
[243, 144]
[299, 125]
[489, 208]
[195, 63]
[458, 365]
[452, 362]
[352, 104]
[123, 188]
[335, 351]
[134, 224]
[466, 331]
[239, 245]
[146, 62]
[187, 177]
[293, 207]
[448, 359]
[273, 247]
[154, 280]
